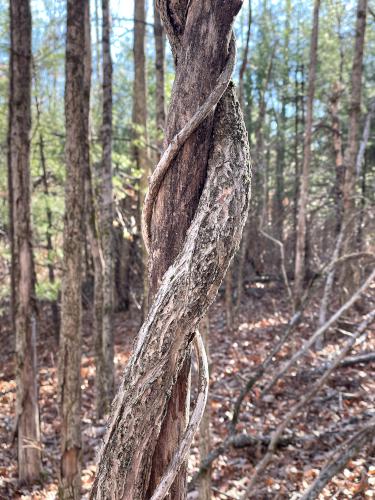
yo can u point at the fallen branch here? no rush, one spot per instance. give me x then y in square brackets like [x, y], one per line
[304, 400]
[364, 357]
[318, 333]
[262, 368]
[339, 459]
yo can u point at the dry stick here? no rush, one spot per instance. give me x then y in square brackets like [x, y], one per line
[318, 333]
[364, 357]
[178, 141]
[303, 401]
[184, 447]
[339, 458]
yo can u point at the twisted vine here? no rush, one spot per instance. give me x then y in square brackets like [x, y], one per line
[187, 289]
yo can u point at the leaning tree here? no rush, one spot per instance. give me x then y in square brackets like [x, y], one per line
[193, 217]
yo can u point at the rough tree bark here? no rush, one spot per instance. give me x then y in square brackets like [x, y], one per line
[70, 335]
[140, 136]
[350, 154]
[159, 77]
[187, 266]
[22, 275]
[199, 60]
[105, 391]
[299, 269]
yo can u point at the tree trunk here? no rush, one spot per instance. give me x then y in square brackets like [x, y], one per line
[70, 336]
[299, 270]
[51, 270]
[159, 77]
[350, 154]
[196, 73]
[241, 93]
[140, 136]
[337, 146]
[278, 207]
[22, 277]
[142, 432]
[105, 393]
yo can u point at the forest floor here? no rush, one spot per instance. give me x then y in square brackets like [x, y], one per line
[337, 411]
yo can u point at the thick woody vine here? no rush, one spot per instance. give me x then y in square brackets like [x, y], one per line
[188, 288]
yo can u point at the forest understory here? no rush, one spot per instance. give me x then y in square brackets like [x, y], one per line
[341, 407]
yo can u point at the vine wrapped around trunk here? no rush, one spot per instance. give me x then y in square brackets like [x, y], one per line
[188, 288]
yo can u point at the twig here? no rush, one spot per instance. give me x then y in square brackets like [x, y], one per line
[364, 357]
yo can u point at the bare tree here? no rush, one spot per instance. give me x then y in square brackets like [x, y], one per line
[70, 335]
[299, 270]
[22, 276]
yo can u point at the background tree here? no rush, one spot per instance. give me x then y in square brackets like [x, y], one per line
[71, 309]
[22, 277]
[300, 264]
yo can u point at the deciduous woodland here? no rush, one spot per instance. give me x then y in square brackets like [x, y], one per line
[187, 257]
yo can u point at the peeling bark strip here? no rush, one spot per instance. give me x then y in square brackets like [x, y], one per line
[23, 312]
[70, 336]
[188, 287]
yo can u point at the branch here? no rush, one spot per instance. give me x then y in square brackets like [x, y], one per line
[305, 399]
[318, 333]
[339, 459]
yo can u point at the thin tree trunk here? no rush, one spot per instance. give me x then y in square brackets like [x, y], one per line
[22, 278]
[338, 150]
[299, 270]
[159, 77]
[51, 271]
[350, 154]
[140, 136]
[70, 335]
[278, 207]
[244, 60]
[106, 218]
